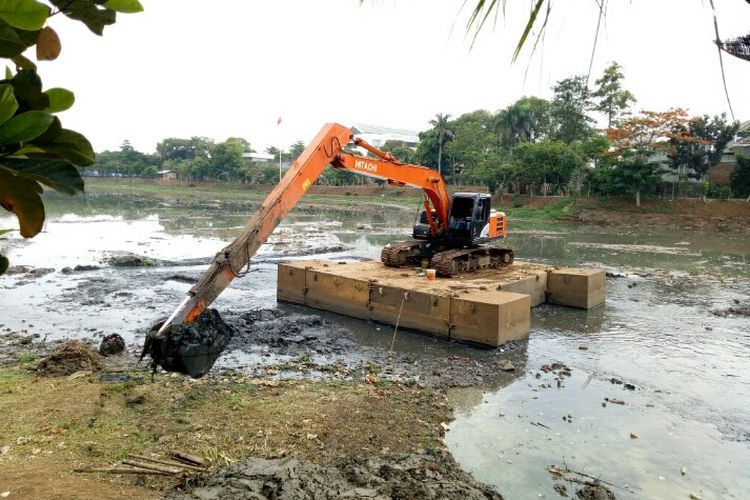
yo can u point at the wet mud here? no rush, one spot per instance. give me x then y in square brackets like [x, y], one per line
[432, 474]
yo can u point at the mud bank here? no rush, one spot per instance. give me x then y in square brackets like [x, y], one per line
[431, 474]
[307, 344]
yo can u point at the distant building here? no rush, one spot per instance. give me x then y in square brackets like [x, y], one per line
[267, 158]
[376, 135]
[167, 174]
[721, 173]
[259, 157]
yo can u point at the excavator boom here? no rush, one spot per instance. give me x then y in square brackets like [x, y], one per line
[327, 148]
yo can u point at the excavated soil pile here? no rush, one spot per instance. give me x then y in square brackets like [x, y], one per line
[73, 356]
[433, 474]
[193, 348]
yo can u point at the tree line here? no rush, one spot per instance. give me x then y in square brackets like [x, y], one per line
[534, 146]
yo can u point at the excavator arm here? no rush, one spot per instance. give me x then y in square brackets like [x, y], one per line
[327, 148]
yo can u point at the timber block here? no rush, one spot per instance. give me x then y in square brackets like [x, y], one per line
[290, 285]
[490, 318]
[325, 289]
[533, 283]
[425, 311]
[575, 287]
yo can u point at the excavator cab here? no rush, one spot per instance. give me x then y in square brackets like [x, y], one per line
[468, 218]
[471, 221]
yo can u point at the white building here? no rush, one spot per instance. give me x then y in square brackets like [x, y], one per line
[262, 157]
[376, 135]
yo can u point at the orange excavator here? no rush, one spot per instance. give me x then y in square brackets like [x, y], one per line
[451, 232]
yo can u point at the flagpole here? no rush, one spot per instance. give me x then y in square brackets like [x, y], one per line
[278, 123]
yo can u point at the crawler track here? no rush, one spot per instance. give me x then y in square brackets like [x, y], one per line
[463, 260]
[399, 254]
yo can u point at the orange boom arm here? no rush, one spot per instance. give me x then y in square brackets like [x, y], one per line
[326, 148]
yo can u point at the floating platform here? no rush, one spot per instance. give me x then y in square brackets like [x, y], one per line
[490, 306]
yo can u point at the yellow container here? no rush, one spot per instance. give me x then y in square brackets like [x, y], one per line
[425, 263]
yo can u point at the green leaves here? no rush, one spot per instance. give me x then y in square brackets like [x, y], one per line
[124, 6]
[25, 127]
[22, 196]
[71, 146]
[24, 14]
[94, 16]
[59, 100]
[8, 103]
[60, 175]
[35, 149]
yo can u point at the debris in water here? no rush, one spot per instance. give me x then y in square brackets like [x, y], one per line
[112, 344]
[74, 356]
[506, 365]
[192, 348]
[595, 492]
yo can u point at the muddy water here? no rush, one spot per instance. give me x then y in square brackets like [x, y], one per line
[688, 367]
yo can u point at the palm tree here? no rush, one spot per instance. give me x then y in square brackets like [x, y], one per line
[441, 126]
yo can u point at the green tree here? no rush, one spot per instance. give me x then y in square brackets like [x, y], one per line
[640, 147]
[473, 140]
[570, 105]
[526, 120]
[427, 149]
[226, 160]
[611, 99]
[547, 164]
[444, 134]
[708, 139]
[740, 181]
[295, 150]
[400, 150]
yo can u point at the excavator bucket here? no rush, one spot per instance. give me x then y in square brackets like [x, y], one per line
[189, 348]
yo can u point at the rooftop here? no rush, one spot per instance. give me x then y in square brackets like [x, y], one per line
[362, 128]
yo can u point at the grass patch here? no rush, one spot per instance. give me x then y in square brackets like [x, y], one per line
[27, 357]
[560, 209]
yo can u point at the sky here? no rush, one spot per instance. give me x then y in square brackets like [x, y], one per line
[182, 69]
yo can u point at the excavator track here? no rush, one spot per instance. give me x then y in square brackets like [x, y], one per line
[399, 254]
[463, 260]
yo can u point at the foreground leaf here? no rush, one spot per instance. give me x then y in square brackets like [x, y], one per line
[22, 196]
[59, 99]
[11, 44]
[24, 14]
[124, 6]
[25, 127]
[93, 16]
[48, 45]
[60, 175]
[28, 89]
[8, 103]
[71, 146]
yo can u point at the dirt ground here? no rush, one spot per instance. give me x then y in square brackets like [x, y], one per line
[318, 396]
[710, 216]
[97, 419]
